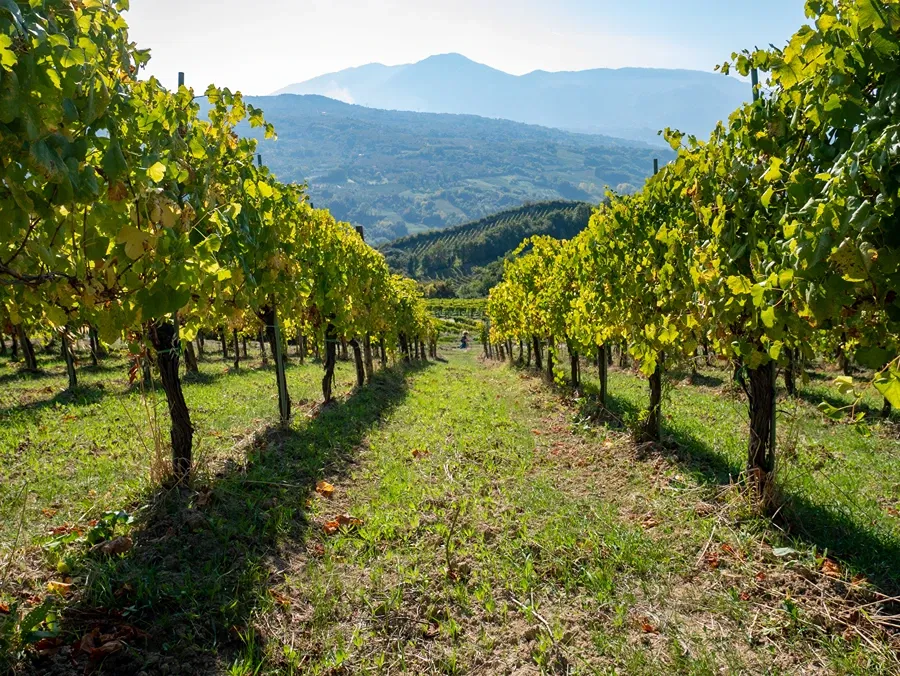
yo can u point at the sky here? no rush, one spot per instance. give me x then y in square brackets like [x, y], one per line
[259, 46]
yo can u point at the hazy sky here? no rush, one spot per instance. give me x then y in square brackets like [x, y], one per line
[258, 46]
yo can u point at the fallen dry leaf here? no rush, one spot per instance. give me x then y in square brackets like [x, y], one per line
[106, 649]
[347, 520]
[325, 489]
[830, 568]
[48, 646]
[49, 513]
[204, 497]
[4, 609]
[120, 545]
[331, 527]
[281, 599]
[647, 627]
[61, 588]
[728, 549]
[419, 453]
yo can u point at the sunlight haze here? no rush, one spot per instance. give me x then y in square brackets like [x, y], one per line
[265, 46]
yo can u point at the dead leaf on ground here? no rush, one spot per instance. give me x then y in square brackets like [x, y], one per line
[331, 527]
[204, 496]
[61, 588]
[48, 646]
[419, 453]
[347, 520]
[731, 551]
[647, 627]
[325, 489]
[280, 599]
[4, 609]
[830, 568]
[49, 513]
[119, 545]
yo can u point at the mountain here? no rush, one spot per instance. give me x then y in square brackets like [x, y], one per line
[468, 258]
[398, 173]
[631, 103]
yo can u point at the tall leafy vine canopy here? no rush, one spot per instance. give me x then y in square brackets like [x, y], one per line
[120, 203]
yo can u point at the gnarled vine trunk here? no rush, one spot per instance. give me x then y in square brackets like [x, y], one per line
[164, 337]
[790, 383]
[574, 367]
[358, 362]
[654, 414]
[269, 319]
[538, 360]
[602, 371]
[331, 341]
[262, 349]
[761, 451]
[237, 350]
[27, 349]
[367, 358]
[69, 358]
[190, 358]
[550, 344]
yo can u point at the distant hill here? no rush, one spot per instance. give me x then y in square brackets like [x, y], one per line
[398, 173]
[469, 257]
[631, 103]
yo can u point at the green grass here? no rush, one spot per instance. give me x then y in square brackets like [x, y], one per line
[500, 530]
[83, 453]
[839, 484]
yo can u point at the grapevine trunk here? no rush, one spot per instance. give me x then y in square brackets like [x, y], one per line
[165, 341]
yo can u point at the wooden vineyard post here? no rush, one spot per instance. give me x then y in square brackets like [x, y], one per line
[602, 366]
[652, 425]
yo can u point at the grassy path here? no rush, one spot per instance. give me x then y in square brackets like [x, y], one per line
[486, 528]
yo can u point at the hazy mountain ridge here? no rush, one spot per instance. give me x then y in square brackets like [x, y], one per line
[399, 173]
[628, 102]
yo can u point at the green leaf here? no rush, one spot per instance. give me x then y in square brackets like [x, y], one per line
[113, 164]
[889, 386]
[768, 317]
[739, 285]
[767, 196]
[8, 57]
[873, 357]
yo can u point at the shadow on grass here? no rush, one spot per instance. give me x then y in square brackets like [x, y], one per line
[83, 395]
[203, 562]
[859, 542]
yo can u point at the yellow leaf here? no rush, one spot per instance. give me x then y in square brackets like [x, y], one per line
[324, 489]
[157, 172]
[133, 239]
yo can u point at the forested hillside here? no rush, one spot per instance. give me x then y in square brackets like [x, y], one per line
[469, 257]
[399, 173]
